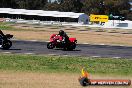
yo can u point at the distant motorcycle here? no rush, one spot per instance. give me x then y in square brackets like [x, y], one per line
[5, 41]
[55, 42]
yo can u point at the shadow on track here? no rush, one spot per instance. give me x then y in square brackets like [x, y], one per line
[14, 49]
[67, 50]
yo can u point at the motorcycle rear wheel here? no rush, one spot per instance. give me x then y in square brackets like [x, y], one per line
[72, 46]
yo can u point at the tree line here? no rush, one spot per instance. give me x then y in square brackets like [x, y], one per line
[85, 6]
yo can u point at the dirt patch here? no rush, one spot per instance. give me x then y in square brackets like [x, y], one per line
[31, 35]
[45, 80]
[38, 80]
[82, 37]
[92, 36]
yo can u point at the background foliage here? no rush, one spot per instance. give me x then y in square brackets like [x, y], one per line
[85, 6]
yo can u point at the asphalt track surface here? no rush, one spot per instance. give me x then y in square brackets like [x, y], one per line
[38, 48]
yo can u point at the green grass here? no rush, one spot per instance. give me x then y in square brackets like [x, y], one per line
[65, 64]
[5, 26]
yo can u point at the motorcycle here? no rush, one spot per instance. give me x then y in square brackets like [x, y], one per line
[56, 41]
[5, 41]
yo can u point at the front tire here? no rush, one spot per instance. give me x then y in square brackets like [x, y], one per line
[6, 44]
[50, 45]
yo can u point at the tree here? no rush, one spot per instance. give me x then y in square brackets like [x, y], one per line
[78, 5]
[117, 6]
[70, 5]
[91, 6]
[5, 3]
[67, 5]
[35, 4]
[21, 4]
[106, 6]
[52, 6]
[85, 6]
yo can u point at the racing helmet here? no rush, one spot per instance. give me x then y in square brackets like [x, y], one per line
[61, 32]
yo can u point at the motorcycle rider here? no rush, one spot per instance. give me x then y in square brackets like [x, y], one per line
[1, 36]
[65, 37]
[1, 33]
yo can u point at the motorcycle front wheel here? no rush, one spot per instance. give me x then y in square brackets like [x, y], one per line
[50, 45]
[6, 44]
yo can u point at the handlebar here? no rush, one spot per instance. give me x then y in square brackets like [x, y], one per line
[9, 36]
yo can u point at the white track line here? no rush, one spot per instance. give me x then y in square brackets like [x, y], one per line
[85, 43]
[96, 56]
[52, 54]
[121, 45]
[29, 53]
[14, 39]
[47, 41]
[117, 57]
[6, 52]
[66, 55]
[102, 44]
[33, 40]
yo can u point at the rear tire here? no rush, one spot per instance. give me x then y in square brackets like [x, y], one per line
[50, 45]
[84, 81]
[6, 44]
[72, 46]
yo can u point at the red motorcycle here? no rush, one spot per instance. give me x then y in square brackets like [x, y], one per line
[56, 42]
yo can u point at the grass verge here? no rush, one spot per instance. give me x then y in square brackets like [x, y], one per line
[58, 64]
[5, 26]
